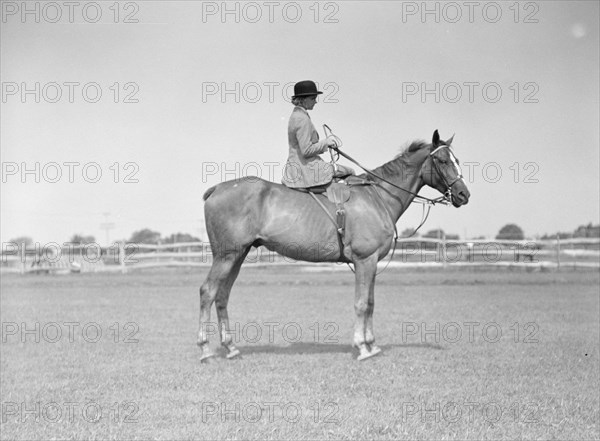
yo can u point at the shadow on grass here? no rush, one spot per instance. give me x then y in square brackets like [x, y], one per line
[320, 348]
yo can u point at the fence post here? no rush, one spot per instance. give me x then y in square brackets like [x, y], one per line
[23, 255]
[444, 260]
[122, 257]
[557, 252]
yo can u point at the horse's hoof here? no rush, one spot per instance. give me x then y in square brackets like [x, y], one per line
[208, 359]
[206, 354]
[234, 353]
[375, 350]
[372, 353]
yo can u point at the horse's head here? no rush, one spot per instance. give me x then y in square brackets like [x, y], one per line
[442, 171]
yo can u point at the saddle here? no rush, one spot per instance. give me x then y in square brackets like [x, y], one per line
[338, 192]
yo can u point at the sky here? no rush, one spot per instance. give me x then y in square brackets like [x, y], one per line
[126, 115]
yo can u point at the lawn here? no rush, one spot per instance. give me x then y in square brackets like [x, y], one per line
[467, 354]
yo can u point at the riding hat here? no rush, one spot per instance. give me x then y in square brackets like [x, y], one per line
[305, 88]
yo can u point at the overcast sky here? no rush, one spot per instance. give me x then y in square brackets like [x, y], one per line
[517, 83]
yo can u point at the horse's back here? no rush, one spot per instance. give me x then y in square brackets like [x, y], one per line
[239, 197]
[255, 191]
[247, 185]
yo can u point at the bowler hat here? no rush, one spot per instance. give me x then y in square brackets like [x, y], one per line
[305, 88]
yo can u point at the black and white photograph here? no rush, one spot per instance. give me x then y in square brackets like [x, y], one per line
[300, 220]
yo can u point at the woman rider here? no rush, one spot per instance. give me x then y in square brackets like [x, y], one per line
[304, 167]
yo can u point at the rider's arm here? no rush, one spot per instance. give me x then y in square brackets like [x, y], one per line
[308, 139]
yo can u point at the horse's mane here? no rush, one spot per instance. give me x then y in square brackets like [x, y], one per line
[403, 159]
[412, 147]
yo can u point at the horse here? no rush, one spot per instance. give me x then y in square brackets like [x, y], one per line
[252, 212]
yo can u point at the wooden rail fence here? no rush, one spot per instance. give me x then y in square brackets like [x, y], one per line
[122, 257]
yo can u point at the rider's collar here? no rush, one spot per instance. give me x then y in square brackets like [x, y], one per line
[302, 109]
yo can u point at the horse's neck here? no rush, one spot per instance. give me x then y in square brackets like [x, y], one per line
[406, 175]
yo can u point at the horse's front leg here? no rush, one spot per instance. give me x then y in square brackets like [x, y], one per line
[365, 270]
[369, 335]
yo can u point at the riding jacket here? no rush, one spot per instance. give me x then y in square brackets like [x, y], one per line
[304, 167]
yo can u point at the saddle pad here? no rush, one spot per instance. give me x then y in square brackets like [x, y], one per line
[357, 180]
[338, 193]
[316, 190]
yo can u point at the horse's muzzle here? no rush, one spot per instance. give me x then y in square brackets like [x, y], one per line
[460, 194]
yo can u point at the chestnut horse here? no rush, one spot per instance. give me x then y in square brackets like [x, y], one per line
[246, 212]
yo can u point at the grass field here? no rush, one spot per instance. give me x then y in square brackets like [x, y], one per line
[467, 355]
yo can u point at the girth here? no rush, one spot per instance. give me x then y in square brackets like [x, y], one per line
[338, 193]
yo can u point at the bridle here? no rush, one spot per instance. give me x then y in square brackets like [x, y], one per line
[445, 199]
[434, 161]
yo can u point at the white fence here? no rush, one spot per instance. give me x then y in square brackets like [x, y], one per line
[413, 252]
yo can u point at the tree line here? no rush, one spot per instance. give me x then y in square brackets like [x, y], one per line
[507, 232]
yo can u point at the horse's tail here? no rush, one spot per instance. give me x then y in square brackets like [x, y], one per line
[208, 192]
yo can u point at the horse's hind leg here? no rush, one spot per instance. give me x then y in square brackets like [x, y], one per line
[208, 292]
[217, 286]
[221, 302]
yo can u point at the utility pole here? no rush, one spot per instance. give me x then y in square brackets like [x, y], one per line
[107, 226]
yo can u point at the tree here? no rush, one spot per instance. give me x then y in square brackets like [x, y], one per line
[408, 232]
[561, 235]
[28, 241]
[18, 242]
[510, 232]
[438, 233]
[81, 239]
[180, 238]
[587, 231]
[145, 236]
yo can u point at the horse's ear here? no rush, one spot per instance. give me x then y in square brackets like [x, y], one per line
[436, 139]
[450, 140]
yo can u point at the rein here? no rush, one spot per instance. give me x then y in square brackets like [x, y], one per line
[445, 199]
[422, 199]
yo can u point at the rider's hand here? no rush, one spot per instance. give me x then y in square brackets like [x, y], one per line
[331, 143]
